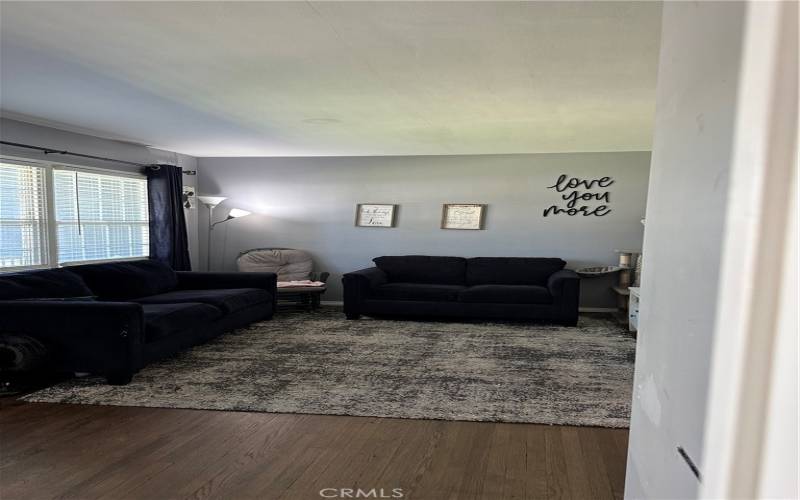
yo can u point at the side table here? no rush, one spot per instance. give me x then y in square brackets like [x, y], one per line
[306, 296]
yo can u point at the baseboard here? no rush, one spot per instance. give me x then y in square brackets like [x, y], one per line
[597, 309]
[581, 309]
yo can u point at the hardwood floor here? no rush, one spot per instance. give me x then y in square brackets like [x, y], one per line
[76, 451]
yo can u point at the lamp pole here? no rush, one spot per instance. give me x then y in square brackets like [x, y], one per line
[211, 202]
[208, 241]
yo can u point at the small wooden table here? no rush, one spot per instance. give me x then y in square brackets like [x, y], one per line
[306, 296]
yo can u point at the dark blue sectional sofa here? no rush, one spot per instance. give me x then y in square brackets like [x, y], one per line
[512, 288]
[114, 318]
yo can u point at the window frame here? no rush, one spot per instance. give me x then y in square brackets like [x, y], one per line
[46, 227]
[50, 232]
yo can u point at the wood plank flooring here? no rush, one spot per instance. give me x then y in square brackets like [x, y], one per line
[87, 452]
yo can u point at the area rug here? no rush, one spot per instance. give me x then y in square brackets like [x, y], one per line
[319, 362]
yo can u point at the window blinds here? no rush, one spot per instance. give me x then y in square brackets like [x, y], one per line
[23, 216]
[99, 216]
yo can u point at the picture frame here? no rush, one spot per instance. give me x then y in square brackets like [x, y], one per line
[463, 216]
[376, 215]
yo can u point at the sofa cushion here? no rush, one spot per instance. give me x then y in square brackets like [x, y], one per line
[82, 298]
[162, 320]
[417, 291]
[228, 300]
[47, 283]
[423, 269]
[511, 270]
[127, 280]
[506, 294]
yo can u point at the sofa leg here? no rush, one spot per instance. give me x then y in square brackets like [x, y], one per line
[119, 378]
[570, 322]
[352, 315]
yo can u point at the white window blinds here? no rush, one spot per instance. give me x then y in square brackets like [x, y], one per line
[23, 217]
[99, 216]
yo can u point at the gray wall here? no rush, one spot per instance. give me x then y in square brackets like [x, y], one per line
[309, 203]
[37, 135]
[694, 133]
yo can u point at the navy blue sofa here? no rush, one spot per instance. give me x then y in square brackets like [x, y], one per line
[114, 318]
[511, 288]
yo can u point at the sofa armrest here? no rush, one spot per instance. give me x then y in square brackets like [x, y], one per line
[358, 286]
[365, 279]
[565, 287]
[561, 281]
[96, 337]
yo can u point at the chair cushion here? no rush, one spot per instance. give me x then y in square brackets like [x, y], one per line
[228, 300]
[162, 320]
[511, 270]
[127, 280]
[423, 269]
[506, 294]
[289, 264]
[48, 283]
[417, 291]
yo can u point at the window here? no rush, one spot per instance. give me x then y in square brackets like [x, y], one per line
[53, 215]
[23, 216]
[99, 216]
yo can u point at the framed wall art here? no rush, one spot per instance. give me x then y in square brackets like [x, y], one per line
[375, 215]
[463, 215]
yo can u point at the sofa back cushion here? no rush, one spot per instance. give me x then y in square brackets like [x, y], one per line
[423, 269]
[511, 270]
[127, 280]
[44, 284]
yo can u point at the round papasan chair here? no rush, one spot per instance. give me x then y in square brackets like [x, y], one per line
[290, 264]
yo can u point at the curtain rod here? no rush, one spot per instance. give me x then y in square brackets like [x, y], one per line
[80, 155]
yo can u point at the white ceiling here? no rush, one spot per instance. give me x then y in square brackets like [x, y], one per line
[338, 78]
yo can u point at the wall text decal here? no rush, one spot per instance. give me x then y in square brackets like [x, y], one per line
[571, 187]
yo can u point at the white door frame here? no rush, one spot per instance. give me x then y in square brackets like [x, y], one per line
[758, 283]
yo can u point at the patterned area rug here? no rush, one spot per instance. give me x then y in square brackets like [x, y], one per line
[319, 362]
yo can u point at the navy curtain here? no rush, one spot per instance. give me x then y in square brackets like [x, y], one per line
[168, 240]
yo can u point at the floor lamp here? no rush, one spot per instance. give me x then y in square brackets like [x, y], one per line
[211, 202]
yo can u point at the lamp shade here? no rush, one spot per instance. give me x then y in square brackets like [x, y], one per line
[211, 201]
[237, 212]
